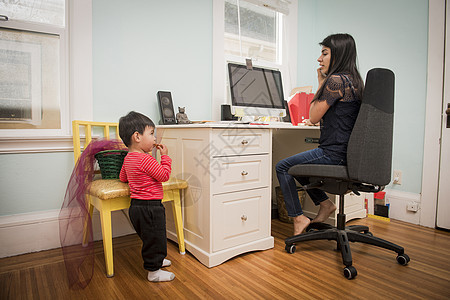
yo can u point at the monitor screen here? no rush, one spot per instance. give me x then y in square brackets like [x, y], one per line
[256, 87]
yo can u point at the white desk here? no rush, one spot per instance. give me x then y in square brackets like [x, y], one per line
[230, 171]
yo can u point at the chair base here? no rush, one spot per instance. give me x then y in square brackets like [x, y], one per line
[343, 237]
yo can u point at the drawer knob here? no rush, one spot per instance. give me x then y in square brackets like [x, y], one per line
[244, 218]
[244, 142]
[243, 173]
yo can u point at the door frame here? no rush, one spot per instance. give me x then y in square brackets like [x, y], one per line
[435, 85]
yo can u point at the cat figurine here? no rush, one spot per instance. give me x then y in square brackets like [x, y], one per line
[182, 118]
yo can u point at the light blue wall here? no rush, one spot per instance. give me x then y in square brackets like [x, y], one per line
[141, 47]
[390, 34]
[33, 182]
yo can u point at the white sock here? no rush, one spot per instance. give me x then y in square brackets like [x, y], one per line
[160, 275]
[166, 263]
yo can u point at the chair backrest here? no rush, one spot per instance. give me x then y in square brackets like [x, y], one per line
[369, 152]
[97, 128]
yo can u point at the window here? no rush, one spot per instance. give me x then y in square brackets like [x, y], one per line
[45, 76]
[263, 30]
[252, 31]
[50, 12]
[32, 64]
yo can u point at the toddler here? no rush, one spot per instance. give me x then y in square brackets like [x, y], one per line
[145, 175]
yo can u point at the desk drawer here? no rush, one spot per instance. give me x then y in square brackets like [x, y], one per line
[240, 218]
[353, 203]
[240, 142]
[235, 173]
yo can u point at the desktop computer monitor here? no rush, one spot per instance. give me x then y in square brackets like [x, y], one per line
[256, 91]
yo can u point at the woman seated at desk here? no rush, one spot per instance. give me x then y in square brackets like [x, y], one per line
[335, 105]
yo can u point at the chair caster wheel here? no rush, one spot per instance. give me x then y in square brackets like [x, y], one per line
[350, 272]
[403, 259]
[290, 248]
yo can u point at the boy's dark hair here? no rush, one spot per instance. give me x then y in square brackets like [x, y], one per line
[131, 123]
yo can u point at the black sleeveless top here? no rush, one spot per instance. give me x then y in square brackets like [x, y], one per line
[337, 123]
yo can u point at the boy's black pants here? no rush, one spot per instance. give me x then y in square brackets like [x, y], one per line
[149, 220]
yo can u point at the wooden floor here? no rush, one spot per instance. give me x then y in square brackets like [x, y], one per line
[314, 271]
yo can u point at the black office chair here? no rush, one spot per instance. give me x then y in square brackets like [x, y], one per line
[368, 169]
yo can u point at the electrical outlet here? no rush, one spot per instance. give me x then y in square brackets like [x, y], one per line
[397, 177]
[412, 206]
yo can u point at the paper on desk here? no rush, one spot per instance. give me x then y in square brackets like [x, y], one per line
[239, 112]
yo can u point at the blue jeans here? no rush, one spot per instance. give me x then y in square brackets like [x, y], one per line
[287, 182]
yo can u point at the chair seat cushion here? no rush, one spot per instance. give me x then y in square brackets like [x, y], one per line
[326, 171]
[174, 184]
[106, 189]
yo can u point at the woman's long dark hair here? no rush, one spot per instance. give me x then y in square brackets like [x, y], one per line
[343, 60]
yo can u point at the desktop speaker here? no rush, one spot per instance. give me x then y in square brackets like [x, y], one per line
[166, 108]
[225, 113]
[287, 118]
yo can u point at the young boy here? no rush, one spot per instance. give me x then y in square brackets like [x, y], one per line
[144, 176]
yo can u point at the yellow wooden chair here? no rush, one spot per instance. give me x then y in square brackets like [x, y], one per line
[108, 195]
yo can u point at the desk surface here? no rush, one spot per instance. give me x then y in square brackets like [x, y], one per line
[225, 124]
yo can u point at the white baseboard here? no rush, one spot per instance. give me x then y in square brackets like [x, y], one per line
[398, 202]
[32, 232]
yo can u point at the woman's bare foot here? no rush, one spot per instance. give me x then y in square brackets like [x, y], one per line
[326, 209]
[300, 224]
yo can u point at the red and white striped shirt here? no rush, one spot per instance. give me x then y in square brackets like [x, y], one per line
[145, 175]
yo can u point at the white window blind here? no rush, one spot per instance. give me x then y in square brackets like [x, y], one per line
[281, 6]
[252, 31]
[38, 11]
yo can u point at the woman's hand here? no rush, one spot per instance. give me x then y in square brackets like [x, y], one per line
[320, 76]
[307, 122]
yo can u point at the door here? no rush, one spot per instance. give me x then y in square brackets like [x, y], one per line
[443, 203]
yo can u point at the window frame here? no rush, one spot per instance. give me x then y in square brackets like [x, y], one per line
[288, 59]
[63, 53]
[76, 82]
